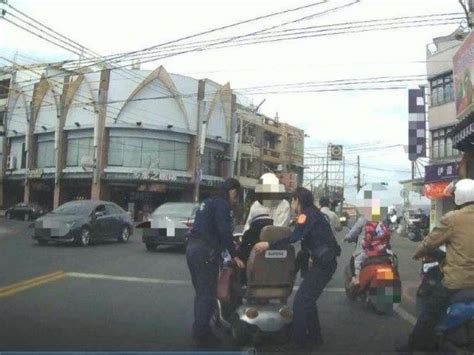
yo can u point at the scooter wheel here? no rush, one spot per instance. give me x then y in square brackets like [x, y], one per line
[241, 332]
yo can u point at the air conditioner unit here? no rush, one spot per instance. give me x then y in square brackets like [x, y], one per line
[11, 162]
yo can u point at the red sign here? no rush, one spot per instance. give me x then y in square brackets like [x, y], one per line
[435, 190]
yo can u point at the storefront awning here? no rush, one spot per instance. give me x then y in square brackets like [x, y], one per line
[463, 134]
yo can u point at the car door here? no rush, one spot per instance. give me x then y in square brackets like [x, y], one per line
[113, 220]
[100, 223]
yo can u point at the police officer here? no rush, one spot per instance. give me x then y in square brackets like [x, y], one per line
[316, 236]
[210, 235]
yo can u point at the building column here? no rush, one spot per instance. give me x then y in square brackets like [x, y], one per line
[29, 152]
[98, 191]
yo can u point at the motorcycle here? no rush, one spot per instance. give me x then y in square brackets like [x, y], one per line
[455, 331]
[380, 285]
[259, 307]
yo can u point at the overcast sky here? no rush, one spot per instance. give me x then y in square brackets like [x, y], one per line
[349, 118]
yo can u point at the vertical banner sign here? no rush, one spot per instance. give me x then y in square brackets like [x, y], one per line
[417, 124]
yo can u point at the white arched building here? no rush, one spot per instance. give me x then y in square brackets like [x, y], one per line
[130, 136]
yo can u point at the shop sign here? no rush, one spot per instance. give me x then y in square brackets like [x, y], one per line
[435, 190]
[463, 134]
[154, 175]
[35, 174]
[152, 188]
[210, 182]
[463, 65]
[441, 172]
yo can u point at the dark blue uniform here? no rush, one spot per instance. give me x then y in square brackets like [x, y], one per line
[210, 235]
[316, 237]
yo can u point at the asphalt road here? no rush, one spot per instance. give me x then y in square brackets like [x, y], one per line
[120, 297]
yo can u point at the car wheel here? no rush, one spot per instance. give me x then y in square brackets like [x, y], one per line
[151, 247]
[42, 242]
[124, 235]
[84, 238]
[26, 217]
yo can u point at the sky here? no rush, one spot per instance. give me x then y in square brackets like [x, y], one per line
[356, 118]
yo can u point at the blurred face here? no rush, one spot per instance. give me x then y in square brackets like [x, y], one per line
[233, 196]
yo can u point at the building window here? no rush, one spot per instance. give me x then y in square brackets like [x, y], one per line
[442, 144]
[442, 89]
[23, 156]
[77, 149]
[4, 88]
[45, 157]
[211, 165]
[148, 153]
[3, 116]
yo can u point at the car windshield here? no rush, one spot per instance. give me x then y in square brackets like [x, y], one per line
[74, 208]
[176, 209]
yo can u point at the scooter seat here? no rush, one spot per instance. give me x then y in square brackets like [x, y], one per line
[271, 275]
[463, 296]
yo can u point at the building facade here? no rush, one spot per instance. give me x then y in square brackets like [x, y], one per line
[268, 145]
[444, 157]
[136, 137]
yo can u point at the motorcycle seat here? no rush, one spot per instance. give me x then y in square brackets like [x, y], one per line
[463, 296]
[271, 275]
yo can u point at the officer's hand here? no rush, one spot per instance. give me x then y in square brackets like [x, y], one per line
[261, 247]
[240, 264]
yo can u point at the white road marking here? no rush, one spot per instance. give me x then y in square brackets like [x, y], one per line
[399, 310]
[405, 315]
[127, 279]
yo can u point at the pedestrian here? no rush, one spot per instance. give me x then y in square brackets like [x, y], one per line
[210, 236]
[455, 230]
[334, 220]
[316, 236]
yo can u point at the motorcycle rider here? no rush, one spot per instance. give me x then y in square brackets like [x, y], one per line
[270, 197]
[455, 230]
[355, 235]
[315, 233]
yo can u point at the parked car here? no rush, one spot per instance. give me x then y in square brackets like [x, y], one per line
[25, 211]
[82, 222]
[168, 224]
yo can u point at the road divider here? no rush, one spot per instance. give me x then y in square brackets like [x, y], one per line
[30, 283]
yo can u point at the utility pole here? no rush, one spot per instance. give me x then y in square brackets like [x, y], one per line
[327, 170]
[359, 186]
[239, 148]
[200, 139]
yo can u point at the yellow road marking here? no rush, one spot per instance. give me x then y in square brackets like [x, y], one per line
[34, 282]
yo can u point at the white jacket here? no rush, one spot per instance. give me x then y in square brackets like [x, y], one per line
[281, 214]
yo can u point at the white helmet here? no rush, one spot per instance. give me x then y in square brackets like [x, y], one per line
[464, 192]
[269, 183]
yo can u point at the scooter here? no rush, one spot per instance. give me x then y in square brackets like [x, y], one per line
[260, 307]
[455, 332]
[380, 285]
